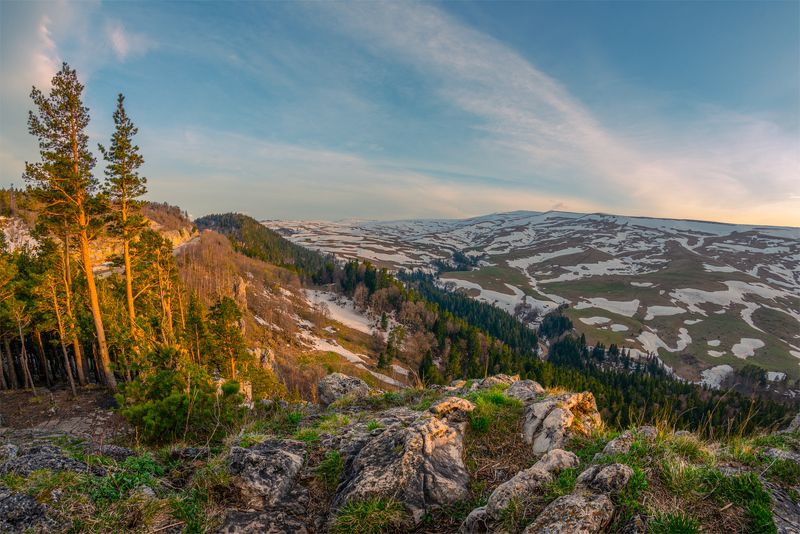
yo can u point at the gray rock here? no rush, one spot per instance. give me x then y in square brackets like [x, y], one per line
[265, 474]
[21, 513]
[637, 525]
[549, 423]
[420, 465]
[337, 385]
[45, 456]
[785, 511]
[477, 522]
[7, 452]
[574, 514]
[272, 522]
[120, 454]
[604, 478]
[794, 425]
[495, 380]
[529, 481]
[525, 390]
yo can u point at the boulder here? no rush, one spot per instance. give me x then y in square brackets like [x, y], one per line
[189, 453]
[525, 390]
[337, 385]
[454, 408]
[477, 522]
[549, 423]
[794, 425]
[45, 456]
[529, 481]
[7, 452]
[21, 513]
[265, 474]
[604, 478]
[496, 380]
[420, 464]
[574, 514]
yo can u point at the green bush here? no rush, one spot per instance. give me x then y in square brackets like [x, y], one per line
[179, 403]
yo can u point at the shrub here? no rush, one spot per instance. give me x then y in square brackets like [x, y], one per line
[179, 402]
[375, 516]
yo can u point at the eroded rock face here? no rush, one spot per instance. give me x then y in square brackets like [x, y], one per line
[525, 390]
[494, 380]
[454, 408]
[548, 424]
[30, 459]
[21, 513]
[337, 385]
[420, 464]
[574, 514]
[265, 474]
[270, 522]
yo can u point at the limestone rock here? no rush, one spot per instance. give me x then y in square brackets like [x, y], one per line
[21, 513]
[45, 456]
[265, 473]
[454, 408]
[8, 451]
[477, 522]
[794, 425]
[574, 514]
[525, 390]
[336, 385]
[604, 478]
[529, 481]
[548, 424]
[495, 380]
[421, 465]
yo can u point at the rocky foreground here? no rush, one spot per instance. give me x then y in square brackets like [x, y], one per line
[495, 455]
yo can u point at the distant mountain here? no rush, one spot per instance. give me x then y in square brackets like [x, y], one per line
[706, 297]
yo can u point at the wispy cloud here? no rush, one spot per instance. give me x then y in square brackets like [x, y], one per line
[125, 43]
[723, 164]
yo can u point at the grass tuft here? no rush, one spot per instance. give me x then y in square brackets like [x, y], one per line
[374, 516]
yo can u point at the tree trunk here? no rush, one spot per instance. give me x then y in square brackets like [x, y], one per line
[39, 348]
[80, 366]
[24, 359]
[12, 372]
[67, 366]
[126, 252]
[94, 303]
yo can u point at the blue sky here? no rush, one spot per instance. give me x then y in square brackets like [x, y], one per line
[395, 110]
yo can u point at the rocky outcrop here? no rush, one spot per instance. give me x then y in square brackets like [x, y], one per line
[497, 380]
[530, 480]
[548, 424]
[420, 465]
[525, 390]
[337, 385]
[115, 452]
[622, 443]
[265, 474]
[21, 513]
[574, 514]
[25, 461]
[272, 522]
[589, 509]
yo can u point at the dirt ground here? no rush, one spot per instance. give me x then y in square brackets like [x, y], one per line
[91, 416]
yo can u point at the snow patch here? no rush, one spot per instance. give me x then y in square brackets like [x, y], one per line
[746, 347]
[594, 320]
[618, 328]
[624, 307]
[714, 377]
[656, 311]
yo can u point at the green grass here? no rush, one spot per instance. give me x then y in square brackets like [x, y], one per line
[373, 425]
[330, 469]
[494, 410]
[673, 523]
[374, 516]
[308, 435]
[563, 484]
[134, 472]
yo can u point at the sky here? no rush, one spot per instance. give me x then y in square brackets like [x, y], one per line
[294, 110]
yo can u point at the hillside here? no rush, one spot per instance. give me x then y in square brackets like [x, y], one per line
[705, 297]
[493, 455]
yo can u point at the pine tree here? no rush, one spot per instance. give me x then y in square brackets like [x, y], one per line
[226, 333]
[124, 187]
[63, 182]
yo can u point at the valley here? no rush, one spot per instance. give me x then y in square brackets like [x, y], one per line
[705, 297]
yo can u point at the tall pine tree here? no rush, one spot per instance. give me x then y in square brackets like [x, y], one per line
[63, 182]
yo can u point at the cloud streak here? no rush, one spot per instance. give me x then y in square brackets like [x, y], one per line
[727, 165]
